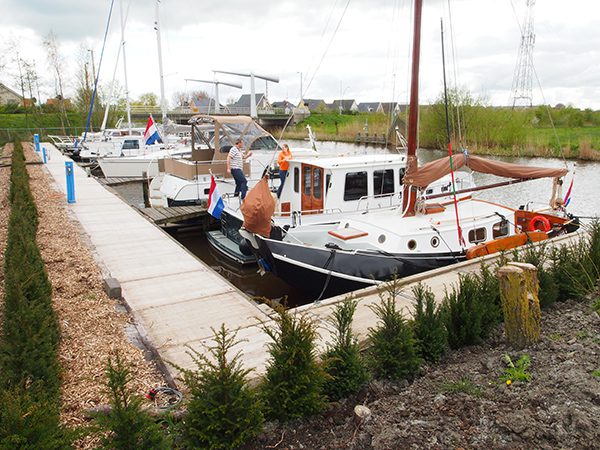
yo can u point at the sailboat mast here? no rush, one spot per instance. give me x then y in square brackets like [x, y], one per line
[163, 108]
[128, 105]
[409, 195]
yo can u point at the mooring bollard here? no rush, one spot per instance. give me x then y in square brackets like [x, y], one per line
[70, 182]
[36, 141]
[520, 303]
[44, 155]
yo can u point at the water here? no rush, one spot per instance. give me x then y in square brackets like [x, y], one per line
[585, 202]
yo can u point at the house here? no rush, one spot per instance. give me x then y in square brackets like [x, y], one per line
[244, 101]
[344, 106]
[285, 105]
[8, 96]
[368, 107]
[394, 107]
[204, 105]
[56, 102]
[315, 105]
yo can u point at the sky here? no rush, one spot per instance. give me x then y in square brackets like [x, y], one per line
[336, 48]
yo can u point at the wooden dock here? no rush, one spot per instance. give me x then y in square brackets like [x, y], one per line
[117, 181]
[162, 216]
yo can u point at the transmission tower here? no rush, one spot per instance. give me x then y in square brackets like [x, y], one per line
[522, 80]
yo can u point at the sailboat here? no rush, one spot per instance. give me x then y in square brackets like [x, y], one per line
[366, 249]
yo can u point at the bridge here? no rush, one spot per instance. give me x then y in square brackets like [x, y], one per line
[267, 117]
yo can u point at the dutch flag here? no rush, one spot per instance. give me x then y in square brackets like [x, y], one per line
[215, 202]
[151, 135]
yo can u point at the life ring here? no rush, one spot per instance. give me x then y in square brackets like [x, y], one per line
[539, 223]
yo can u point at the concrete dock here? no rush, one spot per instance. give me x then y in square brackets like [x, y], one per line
[176, 299]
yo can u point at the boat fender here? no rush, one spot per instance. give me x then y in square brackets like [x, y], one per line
[540, 223]
[263, 264]
[245, 247]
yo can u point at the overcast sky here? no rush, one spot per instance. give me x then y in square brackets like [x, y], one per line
[367, 59]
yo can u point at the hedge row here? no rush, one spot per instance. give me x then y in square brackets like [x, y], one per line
[29, 367]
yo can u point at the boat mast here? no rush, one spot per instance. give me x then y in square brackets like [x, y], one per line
[128, 106]
[409, 195]
[163, 108]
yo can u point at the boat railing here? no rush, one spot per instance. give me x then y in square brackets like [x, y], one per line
[365, 202]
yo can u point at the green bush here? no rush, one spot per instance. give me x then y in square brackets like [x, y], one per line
[429, 326]
[293, 384]
[393, 352]
[574, 270]
[127, 426]
[463, 313]
[223, 411]
[345, 368]
[538, 256]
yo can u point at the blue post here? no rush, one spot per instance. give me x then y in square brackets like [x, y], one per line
[44, 155]
[70, 182]
[36, 141]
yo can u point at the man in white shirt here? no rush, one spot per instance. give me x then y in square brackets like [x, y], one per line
[235, 166]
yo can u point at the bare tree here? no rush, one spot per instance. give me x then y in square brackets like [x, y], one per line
[57, 65]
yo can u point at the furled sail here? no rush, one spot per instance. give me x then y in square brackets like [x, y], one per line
[430, 172]
[258, 208]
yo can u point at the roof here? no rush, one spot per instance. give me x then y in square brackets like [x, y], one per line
[204, 102]
[332, 162]
[313, 103]
[2, 85]
[368, 106]
[389, 106]
[346, 105]
[283, 104]
[244, 100]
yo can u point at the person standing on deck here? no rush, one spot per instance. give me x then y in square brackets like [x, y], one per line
[235, 166]
[283, 161]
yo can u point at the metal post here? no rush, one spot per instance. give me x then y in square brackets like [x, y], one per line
[36, 141]
[44, 155]
[253, 113]
[70, 182]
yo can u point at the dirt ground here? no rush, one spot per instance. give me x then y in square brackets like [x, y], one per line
[558, 409]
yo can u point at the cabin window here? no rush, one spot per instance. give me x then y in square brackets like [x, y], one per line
[327, 182]
[383, 181]
[296, 179]
[500, 229]
[446, 188]
[317, 180]
[356, 186]
[435, 241]
[429, 191]
[412, 244]
[401, 173]
[477, 235]
[307, 181]
[131, 144]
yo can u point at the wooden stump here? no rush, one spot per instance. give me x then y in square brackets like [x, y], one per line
[520, 303]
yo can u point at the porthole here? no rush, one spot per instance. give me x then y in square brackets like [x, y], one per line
[412, 244]
[346, 225]
[381, 238]
[435, 241]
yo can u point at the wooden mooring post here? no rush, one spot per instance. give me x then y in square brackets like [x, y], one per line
[519, 291]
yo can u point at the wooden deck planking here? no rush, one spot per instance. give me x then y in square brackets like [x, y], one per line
[161, 216]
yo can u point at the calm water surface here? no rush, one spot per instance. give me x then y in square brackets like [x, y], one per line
[585, 202]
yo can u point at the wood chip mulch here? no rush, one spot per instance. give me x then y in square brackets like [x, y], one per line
[6, 151]
[92, 326]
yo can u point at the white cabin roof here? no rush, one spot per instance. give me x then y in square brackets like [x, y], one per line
[334, 162]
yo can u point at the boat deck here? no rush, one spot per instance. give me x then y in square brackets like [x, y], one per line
[176, 299]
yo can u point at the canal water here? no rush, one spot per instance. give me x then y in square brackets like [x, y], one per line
[585, 202]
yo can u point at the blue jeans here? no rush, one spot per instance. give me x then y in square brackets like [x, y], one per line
[241, 184]
[282, 177]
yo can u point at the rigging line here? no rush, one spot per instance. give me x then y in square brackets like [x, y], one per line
[328, 46]
[329, 261]
[455, 70]
[445, 243]
[89, 117]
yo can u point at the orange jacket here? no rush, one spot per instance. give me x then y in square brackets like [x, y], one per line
[282, 159]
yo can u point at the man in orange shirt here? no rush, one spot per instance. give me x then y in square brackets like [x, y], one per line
[283, 161]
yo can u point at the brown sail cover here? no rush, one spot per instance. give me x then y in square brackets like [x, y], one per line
[258, 208]
[430, 172]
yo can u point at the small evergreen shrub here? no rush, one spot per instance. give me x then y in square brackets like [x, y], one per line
[463, 313]
[430, 329]
[343, 363]
[223, 412]
[573, 270]
[393, 352]
[293, 384]
[538, 256]
[128, 426]
[488, 298]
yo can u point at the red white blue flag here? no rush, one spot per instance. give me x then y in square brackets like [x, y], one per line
[215, 202]
[567, 199]
[151, 135]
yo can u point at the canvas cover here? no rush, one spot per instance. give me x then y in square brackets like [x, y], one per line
[258, 208]
[430, 172]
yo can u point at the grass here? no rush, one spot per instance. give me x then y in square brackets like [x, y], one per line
[596, 305]
[465, 386]
[596, 373]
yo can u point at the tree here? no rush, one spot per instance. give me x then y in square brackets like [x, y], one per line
[147, 99]
[57, 65]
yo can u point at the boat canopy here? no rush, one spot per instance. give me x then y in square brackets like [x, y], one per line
[227, 130]
[430, 172]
